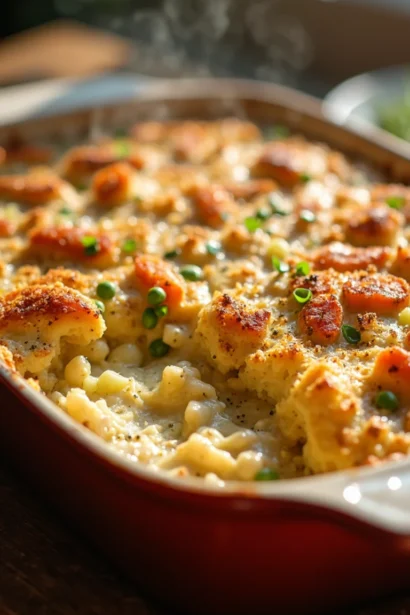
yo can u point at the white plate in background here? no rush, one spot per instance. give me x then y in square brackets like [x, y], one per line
[357, 100]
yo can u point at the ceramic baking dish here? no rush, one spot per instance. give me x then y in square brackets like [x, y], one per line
[299, 546]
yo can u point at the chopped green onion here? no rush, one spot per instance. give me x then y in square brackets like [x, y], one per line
[302, 268]
[82, 186]
[129, 246]
[213, 247]
[122, 149]
[149, 318]
[396, 202]
[106, 290]
[161, 310]
[252, 224]
[267, 474]
[302, 295]
[275, 207]
[192, 273]
[100, 306]
[158, 348]
[120, 133]
[387, 400]
[276, 132]
[156, 295]
[90, 244]
[305, 177]
[263, 214]
[137, 199]
[279, 265]
[172, 254]
[65, 211]
[307, 216]
[351, 335]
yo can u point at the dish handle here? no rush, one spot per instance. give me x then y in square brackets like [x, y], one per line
[377, 496]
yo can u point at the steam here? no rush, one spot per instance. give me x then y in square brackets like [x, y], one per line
[245, 38]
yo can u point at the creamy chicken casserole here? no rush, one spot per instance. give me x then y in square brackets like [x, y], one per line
[209, 300]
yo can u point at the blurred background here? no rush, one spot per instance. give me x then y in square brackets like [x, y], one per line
[309, 44]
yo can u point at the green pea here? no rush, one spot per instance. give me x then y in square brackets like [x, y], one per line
[267, 474]
[149, 318]
[156, 295]
[129, 246]
[100, 306]
[387, 400]
[158, 348]
[193, 273]
[161, 311]
[106, 290]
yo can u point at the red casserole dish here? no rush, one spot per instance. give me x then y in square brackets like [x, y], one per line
[298, 546]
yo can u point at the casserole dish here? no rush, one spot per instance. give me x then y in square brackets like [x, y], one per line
[247, 547]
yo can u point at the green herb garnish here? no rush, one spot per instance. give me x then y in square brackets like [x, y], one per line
[213, 247]
[65, 211]
[263, 214]
[276, 209]
[279, 131]
[252, 224]
[279, 265]
[351, 335]
[122, 149]
[396, 202]
[129, 246]
[302, 268]
[307, 216]
[91, 246]
[305, 178]
[172, 254]
[302, 295]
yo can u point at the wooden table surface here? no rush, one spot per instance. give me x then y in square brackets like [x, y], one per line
[45, 569]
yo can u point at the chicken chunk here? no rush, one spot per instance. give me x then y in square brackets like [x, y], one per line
[342, 257]
[382, 294]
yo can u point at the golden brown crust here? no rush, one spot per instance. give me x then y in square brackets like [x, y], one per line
[36, 301]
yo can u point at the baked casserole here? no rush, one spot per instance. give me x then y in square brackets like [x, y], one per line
[211, 299]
